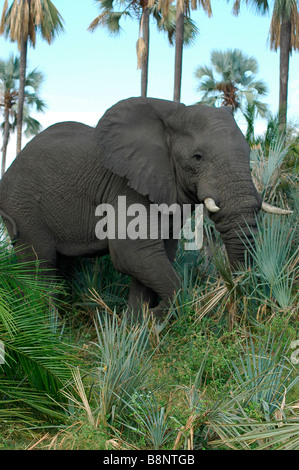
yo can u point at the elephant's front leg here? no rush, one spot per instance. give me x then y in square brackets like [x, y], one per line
[139, 296]
[148, 263]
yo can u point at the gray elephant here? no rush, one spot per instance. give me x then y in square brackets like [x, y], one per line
[148, 150]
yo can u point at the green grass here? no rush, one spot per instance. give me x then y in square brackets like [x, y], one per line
[218, 375]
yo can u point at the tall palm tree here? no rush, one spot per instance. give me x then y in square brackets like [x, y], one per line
[183, 11]
[164, 14]
[231, 81]
[20, 22]
[9, 77]
[284, 34]
[8, 95]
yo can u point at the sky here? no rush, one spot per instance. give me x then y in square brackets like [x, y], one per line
[86, 73]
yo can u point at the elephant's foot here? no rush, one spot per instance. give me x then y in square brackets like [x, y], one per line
[158, 314]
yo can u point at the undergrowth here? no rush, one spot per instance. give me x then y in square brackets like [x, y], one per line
[220, 373]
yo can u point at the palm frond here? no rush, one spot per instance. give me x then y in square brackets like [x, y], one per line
[34, 355]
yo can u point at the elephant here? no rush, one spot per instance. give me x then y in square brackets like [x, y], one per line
[150, 151]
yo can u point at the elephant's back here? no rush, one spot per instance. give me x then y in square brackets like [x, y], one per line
[48, 155]
[48, 160]
[60, 143]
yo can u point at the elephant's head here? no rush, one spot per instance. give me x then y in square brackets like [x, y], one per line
[177, 153]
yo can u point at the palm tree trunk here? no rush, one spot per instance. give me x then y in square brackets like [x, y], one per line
[21, 96]
[285, 49]
[179, 36]
[144, 65]
[5, 140]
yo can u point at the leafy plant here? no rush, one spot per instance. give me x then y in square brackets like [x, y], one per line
[267, 166]
[37, 363]
[98, 274]
[152, 421]
[275, 259]
[269, 282]
[231, 81]
[124, 362]
[266, 368]
[278, 435]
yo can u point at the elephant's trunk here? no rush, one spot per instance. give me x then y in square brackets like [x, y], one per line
[237, 226]
[233, 205]
[237, 243]
[238, 238]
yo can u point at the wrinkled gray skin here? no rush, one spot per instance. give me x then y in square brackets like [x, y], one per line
[147, 150]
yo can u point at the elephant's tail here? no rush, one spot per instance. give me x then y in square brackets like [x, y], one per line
[15, 232]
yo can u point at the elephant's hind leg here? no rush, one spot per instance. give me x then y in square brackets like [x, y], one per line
[37, 255]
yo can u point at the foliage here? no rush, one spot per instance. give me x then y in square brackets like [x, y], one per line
[20, 22]
[9, 74]
[282, 10]
[268, 371]
[267, 167]
[113, 12]
[151, 421]
[36, 15]
[231, 81]
[276, 260]
[37, 364]
[124, 362]
[283, 35]
[97, 275]
[267, 287]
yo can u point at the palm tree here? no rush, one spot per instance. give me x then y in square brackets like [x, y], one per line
[230, 81]
[20, 23]
[112, 11]
[9, 76]
[183, 10]
[284, 34]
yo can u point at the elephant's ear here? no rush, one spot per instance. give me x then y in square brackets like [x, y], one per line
[132, 137]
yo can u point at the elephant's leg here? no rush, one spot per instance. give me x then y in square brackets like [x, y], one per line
[141, 294]
[171, 248]
[148, 263]
[37, 247]
[31, 253]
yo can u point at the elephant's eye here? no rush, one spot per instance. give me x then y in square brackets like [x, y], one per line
[197, 157]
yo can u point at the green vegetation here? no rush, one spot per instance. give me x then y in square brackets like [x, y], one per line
[219, 373]
[36, 361]
[236, 81]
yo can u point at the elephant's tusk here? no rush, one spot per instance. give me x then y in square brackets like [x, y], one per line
[211, 205]
[274, 210]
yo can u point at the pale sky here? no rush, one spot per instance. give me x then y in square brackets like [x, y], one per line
[86, 73]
